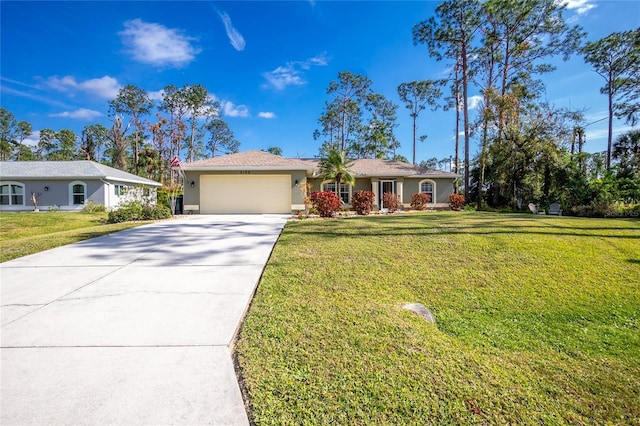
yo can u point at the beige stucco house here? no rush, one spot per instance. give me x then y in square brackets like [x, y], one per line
[259, 182]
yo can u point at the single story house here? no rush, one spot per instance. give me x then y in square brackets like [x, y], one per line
[68, 185]
[260, 182]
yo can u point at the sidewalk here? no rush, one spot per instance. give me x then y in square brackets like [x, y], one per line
[133, 327]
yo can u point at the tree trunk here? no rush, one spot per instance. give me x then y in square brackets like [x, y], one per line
[610, 135]
[466, 122]
[414, 138]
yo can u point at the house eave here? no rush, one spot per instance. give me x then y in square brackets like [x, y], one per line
[236, 168]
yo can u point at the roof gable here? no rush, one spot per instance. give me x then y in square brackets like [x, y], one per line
[248, 159]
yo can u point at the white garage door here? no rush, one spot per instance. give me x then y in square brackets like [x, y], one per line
[245, 194]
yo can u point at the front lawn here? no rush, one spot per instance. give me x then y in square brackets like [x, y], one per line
[23, 233]
[538, 322]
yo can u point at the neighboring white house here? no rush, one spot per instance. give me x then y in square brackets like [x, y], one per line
[68, 185]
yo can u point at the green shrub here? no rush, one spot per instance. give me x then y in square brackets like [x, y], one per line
[120, 215]
[91, 207]
[419, 201]
[135, 210]
[390, 201]
[163, 198]
[363, 202]
[155, 213]
[325, 202]
[456, 202]
[596, 209]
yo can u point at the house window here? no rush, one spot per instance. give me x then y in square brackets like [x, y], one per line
[12, 194]
[118, 190]
[345, 190]
[78, 193]
[428, 187]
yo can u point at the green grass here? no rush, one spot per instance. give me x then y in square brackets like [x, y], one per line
[28, 232]
[538, 322]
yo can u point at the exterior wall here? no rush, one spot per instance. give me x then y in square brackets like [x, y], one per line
[405, 187]
[58, 194]
[191, 198]
[443, 188]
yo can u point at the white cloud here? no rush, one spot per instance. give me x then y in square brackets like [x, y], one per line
[475, 101]
[156, 95]
[236, 39]
[231, 110]
[266, 115]
[80, 114]
[33, 139]
[291, 74]
[104, 87]
[580, 6]
[156, 44]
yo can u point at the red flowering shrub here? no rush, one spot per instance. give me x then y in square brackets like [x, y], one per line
[326, 202]
[456, 201]
[390, 201]
[363, 201]
[420, 201]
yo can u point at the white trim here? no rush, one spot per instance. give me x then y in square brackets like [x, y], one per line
[24, 193]
[433, 184]
[71, 193]
[348, 185]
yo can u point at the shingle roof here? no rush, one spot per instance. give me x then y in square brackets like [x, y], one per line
[364, 167]
[67, 170]
[376, 167]
[248, 159]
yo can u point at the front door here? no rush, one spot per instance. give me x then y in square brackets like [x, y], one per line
[386, 186]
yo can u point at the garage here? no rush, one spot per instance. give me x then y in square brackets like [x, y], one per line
[245, 194]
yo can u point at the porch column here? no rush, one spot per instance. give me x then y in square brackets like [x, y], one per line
[399, 190]
[374, 189]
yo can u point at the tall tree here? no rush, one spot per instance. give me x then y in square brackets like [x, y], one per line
[417, 95]
[118, 144]
[626, 150]
[376, 138]
[450, 34]
[616, 59]
[8, 133]
[24, 131]
[134, 102]
[46, 144]
[92, 139]
[336, 167]
[198, 103]
[220, 137]
[348, 92]
[174, 104]
[275, 150]
[66, 149]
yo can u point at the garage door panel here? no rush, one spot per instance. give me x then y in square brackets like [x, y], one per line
[245, 194]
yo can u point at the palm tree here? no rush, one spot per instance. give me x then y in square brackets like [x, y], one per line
[336, 167]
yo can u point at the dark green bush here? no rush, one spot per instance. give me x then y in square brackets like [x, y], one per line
[134, 210]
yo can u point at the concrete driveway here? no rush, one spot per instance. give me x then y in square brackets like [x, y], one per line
[134, 327]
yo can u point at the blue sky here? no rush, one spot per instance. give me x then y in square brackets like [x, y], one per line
[268, 63]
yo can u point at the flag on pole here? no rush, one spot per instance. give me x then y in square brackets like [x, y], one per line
[176, 162]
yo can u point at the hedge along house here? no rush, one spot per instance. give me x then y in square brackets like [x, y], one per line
[68, 185]
[259, 182]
